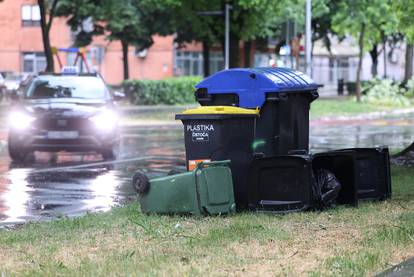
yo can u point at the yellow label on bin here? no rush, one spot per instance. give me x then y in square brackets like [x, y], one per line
[192, 164]
[221, 110]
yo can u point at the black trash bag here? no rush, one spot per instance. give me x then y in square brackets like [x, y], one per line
[327, 189]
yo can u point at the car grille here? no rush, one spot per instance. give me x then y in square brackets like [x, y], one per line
[63, 124]
[74, 142]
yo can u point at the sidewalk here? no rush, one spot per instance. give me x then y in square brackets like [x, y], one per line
[404, 269]
[366, 116]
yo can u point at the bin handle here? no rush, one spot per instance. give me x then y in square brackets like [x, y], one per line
[214, 163]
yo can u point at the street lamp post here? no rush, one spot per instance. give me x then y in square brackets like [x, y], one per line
[227, 37]
[308, 43]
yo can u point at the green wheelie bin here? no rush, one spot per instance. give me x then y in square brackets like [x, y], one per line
[206, 190]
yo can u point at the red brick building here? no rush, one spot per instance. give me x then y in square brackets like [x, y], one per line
[21, 49]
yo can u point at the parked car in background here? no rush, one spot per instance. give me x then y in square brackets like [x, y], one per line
[64, 112]
[12, 82]
[2, 88]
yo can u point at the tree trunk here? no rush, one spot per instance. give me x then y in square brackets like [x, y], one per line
[384, 41]
[408, 72]
[361, 52]
[45, 37]
[374, 57]
[206, 58]
[234, 50]
[247, 53]
[125, 59]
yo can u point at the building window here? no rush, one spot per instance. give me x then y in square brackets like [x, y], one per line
[190, 63]
[216, 62]
[30, 15]
[34, 62]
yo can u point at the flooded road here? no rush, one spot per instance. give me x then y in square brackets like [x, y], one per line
[58, 185]
[32, 192]
[396, 132]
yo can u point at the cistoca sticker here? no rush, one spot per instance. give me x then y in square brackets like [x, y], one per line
[200, 132]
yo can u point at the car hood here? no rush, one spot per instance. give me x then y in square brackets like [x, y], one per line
[11, 84]
[64, 107]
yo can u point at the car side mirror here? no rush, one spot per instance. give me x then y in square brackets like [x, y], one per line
[118, 95]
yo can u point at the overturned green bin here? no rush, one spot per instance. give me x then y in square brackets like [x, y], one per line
[207, 190]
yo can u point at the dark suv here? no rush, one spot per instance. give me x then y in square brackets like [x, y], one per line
[58, 112]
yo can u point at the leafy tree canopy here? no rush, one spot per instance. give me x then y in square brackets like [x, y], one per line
[404, 12]
[352, 14]
[132, 21]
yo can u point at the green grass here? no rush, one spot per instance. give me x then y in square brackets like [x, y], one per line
[344, 241]
[346, 106]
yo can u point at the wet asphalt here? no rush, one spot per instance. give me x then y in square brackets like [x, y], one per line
[66, 185]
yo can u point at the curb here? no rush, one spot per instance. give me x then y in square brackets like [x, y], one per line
[365, 116]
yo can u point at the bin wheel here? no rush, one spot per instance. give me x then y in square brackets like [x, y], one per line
[140, 182]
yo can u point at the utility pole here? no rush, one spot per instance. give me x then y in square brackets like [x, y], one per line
[227, 38]
[308, 42]
[226, 14]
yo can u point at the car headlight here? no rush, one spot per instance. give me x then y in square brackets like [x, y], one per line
[20, 120]
[105, 120]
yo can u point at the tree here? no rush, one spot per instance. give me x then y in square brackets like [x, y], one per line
[360, 18]
[404, 10]
[81, 16]
[384, 28]
[249, 21]
[47, 13]
[132, 22]
[322, 14]
[189, 26]
[257, 20]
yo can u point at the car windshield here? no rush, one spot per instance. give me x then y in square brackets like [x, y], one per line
[13, 77]
[67, 87]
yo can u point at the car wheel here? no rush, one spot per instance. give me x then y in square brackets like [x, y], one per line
[16, 152]
[140, 182]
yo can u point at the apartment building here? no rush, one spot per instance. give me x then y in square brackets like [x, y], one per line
[21, 48]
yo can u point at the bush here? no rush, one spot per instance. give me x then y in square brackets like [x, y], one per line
[351, 86]
[172, 91]
[387, 93]
[409, 88]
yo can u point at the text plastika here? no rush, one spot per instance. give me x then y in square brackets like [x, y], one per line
[198, 128]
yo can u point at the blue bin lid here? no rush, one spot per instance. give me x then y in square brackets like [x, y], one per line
[252, 84]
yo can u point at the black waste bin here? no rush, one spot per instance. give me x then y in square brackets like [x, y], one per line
[282, 95]
[281, 184]
[288, 183]
[341, 85]
[220, 133]
[373, 174]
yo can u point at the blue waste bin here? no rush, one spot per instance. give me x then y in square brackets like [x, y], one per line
[283, 96]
